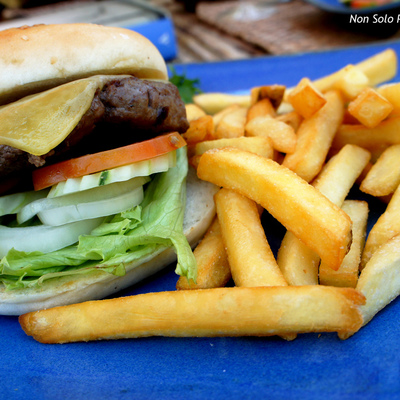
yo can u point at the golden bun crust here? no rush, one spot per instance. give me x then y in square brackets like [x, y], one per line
[35, 58]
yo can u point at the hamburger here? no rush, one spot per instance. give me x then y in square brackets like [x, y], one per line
[96, 189]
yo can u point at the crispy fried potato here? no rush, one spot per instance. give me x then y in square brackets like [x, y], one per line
[301, 208]
[314, 138]
[391, 92]
[370, 108]
[386, 227]
[212, 103]
[282, 135]
[375, 140]
[306, 99]
[291, 118]
[298, 263]
[212, 262]
[193, 111]
[383, 177]
[347, 274]
[200, 129]
[379, 281]
[256, 311]
[231, 124]
[250, 258]
[258, 145]
[351, 82]
[275, 93]
[260, 109]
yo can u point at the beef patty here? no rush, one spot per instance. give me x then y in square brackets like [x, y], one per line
[125, 111]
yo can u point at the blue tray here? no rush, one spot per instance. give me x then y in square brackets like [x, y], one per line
[366, 366]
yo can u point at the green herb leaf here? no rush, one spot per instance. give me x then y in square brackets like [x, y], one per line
[187, 87]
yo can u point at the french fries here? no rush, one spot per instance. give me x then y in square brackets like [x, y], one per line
[250, 257]
[295, 152]
[314, 138]
[298, 263]
[306, 99]
[301, 208]
[383, 178]
[255, 311]
[347, 274]
[379, 281]
[282, 135]
[370, 108]
[212, 263]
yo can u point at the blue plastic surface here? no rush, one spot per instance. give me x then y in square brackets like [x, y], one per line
[366, 366]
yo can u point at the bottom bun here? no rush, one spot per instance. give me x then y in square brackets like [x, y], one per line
[199, 212]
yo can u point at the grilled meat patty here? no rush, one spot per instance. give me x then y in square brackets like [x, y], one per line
[125, 111]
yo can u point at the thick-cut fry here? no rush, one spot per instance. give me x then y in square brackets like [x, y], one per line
[200, 129]
[378, 68]
[193, 111]
[351, 82]
[282, 135]
[379, 281]
[370, 108]
[383, 178]
[301, 208]
[262, 108]
[298, 263]
[250, 258]
[256, 311]
[291, 118]
[391, 92]
[257, 144]
[314, 138]
[376, 140]
[212, 262]
[231, 124]
[275, 93]
[387, 226]
[347, 274]
[306, 99]
[212, 103]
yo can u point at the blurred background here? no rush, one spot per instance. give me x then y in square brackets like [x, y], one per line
[203, 31]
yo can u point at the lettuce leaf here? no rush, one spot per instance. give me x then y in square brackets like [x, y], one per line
[131, 235]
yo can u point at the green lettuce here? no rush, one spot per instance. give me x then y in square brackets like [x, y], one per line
[156, 224]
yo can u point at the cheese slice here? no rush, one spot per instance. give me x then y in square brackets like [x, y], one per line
[38, 123]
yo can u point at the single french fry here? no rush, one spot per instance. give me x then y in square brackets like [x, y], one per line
[260, 109]
[212, 103]
[199, 129]
[212, 262]
[347, 274]
[386, 227]
[250, 258]
[370, 108]
[306, 99]
[379, 281]
[383, 178]
[257, 144]
[275, 93]
[380, 67]
[376, 139]
[291, 118]
[298, 263]
[282, 135]
[301, 208]
[352, 82]
[314, 138]
[391, 92]
[193, 111]
[256, 311]
[231, 124]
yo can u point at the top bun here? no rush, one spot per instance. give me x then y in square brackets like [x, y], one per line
[36, 58]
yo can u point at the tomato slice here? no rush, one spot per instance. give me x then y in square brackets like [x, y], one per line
[91, 163]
